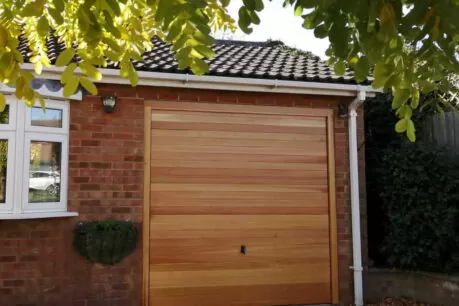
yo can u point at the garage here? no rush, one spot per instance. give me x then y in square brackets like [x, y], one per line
[240, 205]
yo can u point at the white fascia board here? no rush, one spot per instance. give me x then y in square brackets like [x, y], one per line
[157, 79]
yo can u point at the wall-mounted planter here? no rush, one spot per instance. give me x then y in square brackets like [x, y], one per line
[106, 242]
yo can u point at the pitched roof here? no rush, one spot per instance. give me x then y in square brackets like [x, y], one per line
[260, 60]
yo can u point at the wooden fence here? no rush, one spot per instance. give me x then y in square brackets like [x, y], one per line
[443, 130]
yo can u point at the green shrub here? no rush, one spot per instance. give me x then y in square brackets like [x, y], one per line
[419, 189]
[106, 242]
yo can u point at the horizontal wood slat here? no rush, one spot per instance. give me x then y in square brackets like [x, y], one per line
[235, 119]
[227, 164]
[237, 128]
[209, 254]
[222, 177]
[246, 295]
[302, 146]
[289, 274]
[222, 135]
[237, 109]
[237, 187]
[227, 157]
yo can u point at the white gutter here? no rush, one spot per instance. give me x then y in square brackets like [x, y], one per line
[111, 76]
[355, 199]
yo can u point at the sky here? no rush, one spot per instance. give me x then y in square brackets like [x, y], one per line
[279, 23]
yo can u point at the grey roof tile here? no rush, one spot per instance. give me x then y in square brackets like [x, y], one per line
[260, 60]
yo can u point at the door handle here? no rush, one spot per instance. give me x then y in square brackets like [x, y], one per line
[243, 249]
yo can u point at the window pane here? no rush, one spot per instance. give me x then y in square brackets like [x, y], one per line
[45, 172]
[5, 115]
[3, 160]
[50, 118]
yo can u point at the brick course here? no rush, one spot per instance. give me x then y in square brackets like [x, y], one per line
[37, 263]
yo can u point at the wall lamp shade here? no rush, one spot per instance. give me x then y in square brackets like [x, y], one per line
[109, 103]
[342, 110]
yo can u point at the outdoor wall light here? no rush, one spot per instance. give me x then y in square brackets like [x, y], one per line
[342, 110]
[109, 103]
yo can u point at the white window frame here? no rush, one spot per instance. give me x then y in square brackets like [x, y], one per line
[10, 162]
[11, 126]
[20, 133]
[45, 206]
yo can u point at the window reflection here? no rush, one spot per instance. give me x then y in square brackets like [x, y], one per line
[45, 171]
[49, 118]
[3, 161]
[5, 115]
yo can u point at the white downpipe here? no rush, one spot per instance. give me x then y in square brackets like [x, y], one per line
[355, 200]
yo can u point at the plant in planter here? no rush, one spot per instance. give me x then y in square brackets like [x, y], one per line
[106, 242]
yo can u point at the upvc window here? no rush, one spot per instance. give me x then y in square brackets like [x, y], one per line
[34, 160]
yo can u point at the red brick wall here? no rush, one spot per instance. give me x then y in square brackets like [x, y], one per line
[37, 263]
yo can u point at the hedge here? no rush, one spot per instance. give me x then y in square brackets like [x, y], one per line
[413, 196]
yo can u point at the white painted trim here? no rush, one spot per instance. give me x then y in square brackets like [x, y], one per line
[51, 206]
[111, 76]
[10, 171]
[355, 200]
[40, 215]
[19, 165]
[51, 104]
[13, 108]
[20, 132]
[45, 92]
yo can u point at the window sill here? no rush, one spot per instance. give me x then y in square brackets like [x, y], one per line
[41, 215]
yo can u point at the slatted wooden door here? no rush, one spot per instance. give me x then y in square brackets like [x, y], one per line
[239, 206]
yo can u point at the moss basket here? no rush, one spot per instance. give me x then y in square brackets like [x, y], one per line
[105, 242]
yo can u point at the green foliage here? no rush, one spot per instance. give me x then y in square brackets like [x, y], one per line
[420, 195]
[102, 30]
[106, 242]
[411, 194]
[408, 45]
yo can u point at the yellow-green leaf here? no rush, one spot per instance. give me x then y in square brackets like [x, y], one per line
[361, 69]
[114, 5]
[205, 51]
[3, 37]
[124, 69]
[71, 86]
[68, 73]
[2, 102]
[20, 84]
[400, 97]
[411, 131]
[88, 85]
[199, 67]
[65, 57]
[381, 74]
[33, 9]
[401, 125]
[133, 77]
[29, 96]
[38, 67]
[41, 100]
[90, 71]
[43, 26]
[415, 97]
[340, 68]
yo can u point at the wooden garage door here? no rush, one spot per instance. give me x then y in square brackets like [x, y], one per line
[238, 206]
